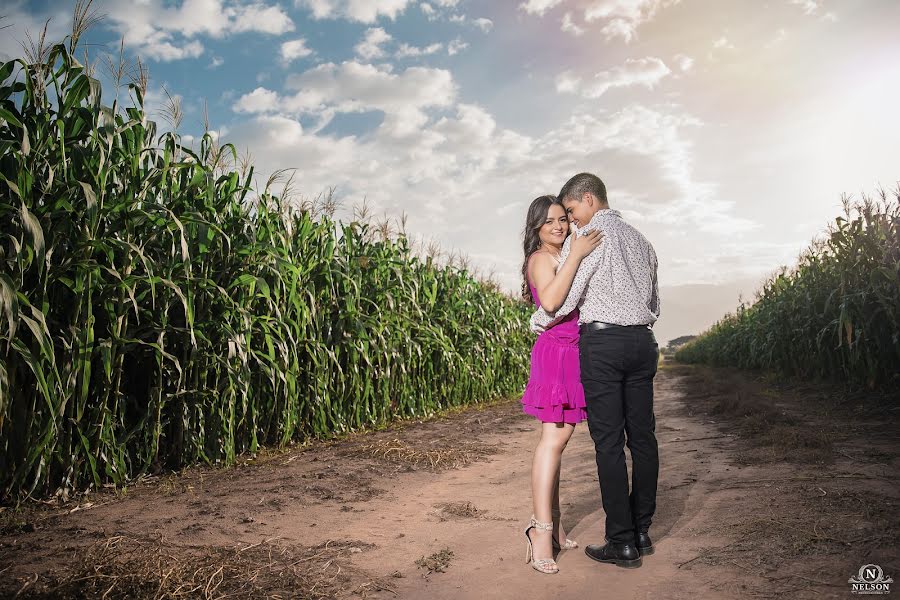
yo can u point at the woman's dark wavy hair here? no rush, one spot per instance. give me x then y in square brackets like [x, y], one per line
[537, 216]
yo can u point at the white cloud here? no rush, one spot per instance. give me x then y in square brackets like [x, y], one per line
[157, 47]
[619, 28]
[643, 71]
[472, 122]
[685, 63]
[216, 62]
[259, 100]
[373, 45]
[405, 50]
[657, 135]
[723, 43]
[631, 10]
[19, 20]
[568, 25]
[538, 7]
[353, 86]
[350, 87]
[258, 17]
[161, 31]
[294, 49]
[623, 17]
[619, 18]
[446, 159]
[483, 24]
[808, 6]
[363, 11]
[567, 82]
[428, 11]
[370, 46]
[456, 46]
[813, 8]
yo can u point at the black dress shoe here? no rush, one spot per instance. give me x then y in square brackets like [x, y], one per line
[644, 544]
[622, 555]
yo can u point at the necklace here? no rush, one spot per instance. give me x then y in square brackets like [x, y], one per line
[557, 256]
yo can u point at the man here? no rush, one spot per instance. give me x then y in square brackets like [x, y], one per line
[617, 294]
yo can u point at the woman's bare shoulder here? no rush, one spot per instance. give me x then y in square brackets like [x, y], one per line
[541, 262]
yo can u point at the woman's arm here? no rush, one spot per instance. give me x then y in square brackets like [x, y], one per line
[552, 285]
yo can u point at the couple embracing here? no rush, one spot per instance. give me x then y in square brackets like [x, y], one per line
[595, 358]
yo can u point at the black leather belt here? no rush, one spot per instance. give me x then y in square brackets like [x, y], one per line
[602, 325]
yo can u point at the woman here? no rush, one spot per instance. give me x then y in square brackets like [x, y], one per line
[554, 394]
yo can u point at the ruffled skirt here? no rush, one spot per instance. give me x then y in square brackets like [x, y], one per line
[554, 393]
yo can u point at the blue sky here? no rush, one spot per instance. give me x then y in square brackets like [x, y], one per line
[726, 131]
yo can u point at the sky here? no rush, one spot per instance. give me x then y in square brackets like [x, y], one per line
[725, 131]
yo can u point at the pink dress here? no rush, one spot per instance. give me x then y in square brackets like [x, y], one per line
[554, 393]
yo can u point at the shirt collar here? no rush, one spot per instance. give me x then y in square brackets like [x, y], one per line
[603, 212]
[606, 211]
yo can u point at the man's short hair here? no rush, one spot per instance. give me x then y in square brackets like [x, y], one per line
[580, 184]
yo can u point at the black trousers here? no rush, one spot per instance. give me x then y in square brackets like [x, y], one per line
[617, 369]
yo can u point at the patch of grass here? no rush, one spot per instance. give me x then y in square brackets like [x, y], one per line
[463, 509]
[807, 535]
[805, 527]
[437, 562]
[752, 410]
[435, 457]
[13, 521]
[124, 567]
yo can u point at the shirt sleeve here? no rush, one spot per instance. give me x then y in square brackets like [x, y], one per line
[654, 297]
[541, 320]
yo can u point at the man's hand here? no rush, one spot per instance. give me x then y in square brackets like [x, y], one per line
[536, 327]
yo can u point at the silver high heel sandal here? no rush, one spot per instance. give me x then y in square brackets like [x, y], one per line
[544, 565]
[570, 543]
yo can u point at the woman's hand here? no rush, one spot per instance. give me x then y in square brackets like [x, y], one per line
[583, 245]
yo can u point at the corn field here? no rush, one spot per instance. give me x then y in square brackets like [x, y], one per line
[836, 315]
[155, 312]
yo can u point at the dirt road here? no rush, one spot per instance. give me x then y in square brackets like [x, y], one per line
[436, 510]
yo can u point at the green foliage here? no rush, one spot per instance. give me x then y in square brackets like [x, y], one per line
[676, 343]
[154, 314]
[835, 316]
